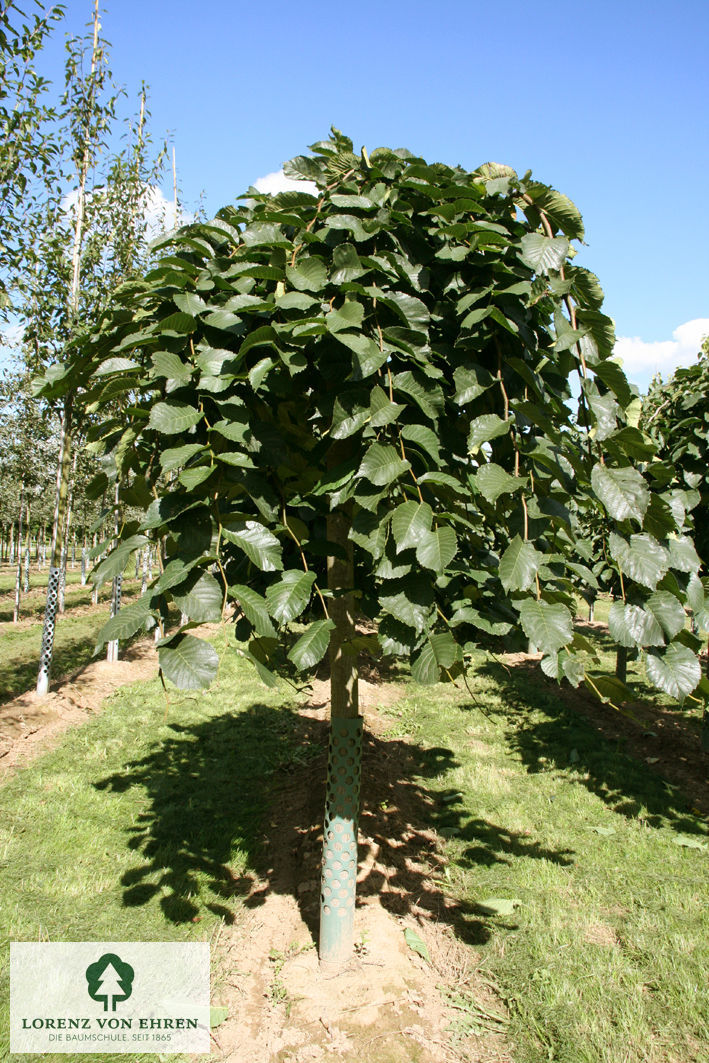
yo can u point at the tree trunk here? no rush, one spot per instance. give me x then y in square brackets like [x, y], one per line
[144, 581]
[112, 647]
[26, 582]
[339, 873]
[18, 577]
[50, 613]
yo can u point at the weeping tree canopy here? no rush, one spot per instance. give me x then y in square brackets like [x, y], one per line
[396, 350]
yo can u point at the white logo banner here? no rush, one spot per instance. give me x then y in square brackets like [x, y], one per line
[109, 996]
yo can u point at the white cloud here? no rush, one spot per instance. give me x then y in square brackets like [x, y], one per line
[641, 360]
[276, 182]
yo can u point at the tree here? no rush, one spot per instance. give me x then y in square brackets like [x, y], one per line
[28, 147]
[353, 407]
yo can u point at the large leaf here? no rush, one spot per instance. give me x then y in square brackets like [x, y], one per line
[548, 626]
[115, 563]
[437, 548]
[128, 620]
[410, 602]
[544, 253]
[312, 644]
[257, 542]
[289, 597]
[202, 598]
[409, 524]
[676, 672]
[176, 457]
[519, 565]
[483, 429]
[368, 355]
[308, 274]
[438, 652]
[667, 611]
[623, 492]
[173, 417]
[631, 625]
[382, 465]
[643, 558]
[255, 609]
[188, 662]
[492, 481]
[683, 556]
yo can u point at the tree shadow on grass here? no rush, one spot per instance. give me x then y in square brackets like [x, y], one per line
[551, 732]
[234, 809]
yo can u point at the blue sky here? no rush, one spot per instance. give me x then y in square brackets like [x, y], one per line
[606, 101]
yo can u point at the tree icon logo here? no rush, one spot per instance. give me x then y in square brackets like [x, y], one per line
[110, 980]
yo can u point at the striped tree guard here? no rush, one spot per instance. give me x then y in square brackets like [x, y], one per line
[50, 617]
[339, 874]
[112, 651]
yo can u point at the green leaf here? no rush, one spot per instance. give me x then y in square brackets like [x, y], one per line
[438, 651]
[667, 611]
[257, 542]
[289, 597]
[437, 548]
[176, 457]
[609, 688]
[368, 355]
[348, 416]
[499, 905]
[631, 625]
[383, 411]
[689, 843]
[255, 609]
[202, 598]
[623, 492]
[312, 644]
[410, 603]
[217, 1015]
[180, 324]
[349, 315]
[483, 429]
[492, 481]
[467, 386]
[409, 524]
[128, 620]
[676, 672]
[115, 563]
[382, 465]
[173, 417]
[543, 253]
[191, 478]
[548, 626]
[308, 275]
[519, 565]
[188, 662]
[424, 437]
[171, 366]
[643, 559]
[415, 943]
[683, 556]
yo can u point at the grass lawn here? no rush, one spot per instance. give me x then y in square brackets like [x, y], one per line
[580, 876]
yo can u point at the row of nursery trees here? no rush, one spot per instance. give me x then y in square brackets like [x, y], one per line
[78, 207]
[346, 419]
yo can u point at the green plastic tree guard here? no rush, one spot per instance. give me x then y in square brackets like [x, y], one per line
[339, 877]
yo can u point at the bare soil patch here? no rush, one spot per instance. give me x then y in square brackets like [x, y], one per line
[390, 1005]
[30, 724]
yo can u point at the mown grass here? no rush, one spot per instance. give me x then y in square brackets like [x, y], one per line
[604, 958]
[75, 633]
[151, 828]
[142, 827]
